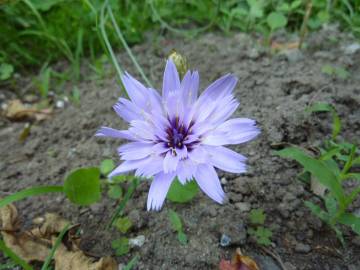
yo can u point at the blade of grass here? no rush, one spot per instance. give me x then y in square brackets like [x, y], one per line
[15, 258]
[124, 43]
[54, 248]
[36, 13]
[132, 263]
[122, 204]
[34, 191]
[107, 42]
[182, 31]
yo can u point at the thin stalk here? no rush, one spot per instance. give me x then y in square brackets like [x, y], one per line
[122, 204]
[107, 42]
[305, 22]
[34, 191]
[182, 31]
[55, 247]
[123, 41]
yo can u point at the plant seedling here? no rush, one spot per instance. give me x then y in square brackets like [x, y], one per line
[331, 169]
[123, 224]
[177, 226]
[43, 81]
[6, 71]
[121, 246]
[260, 233]
[338, 72]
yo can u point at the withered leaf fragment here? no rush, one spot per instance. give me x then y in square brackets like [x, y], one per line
[238, 262]
[35, 244]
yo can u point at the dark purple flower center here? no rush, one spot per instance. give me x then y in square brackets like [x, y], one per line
[177, 133]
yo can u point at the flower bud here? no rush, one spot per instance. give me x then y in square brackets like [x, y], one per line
[180, 63]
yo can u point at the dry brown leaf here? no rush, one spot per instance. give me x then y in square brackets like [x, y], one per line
[238, 262]
[24, 244]
[35, 244]
[284, 46]
[18, 111]
[77, 260]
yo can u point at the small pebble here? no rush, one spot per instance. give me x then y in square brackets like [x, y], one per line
[97, 208]
[60, 104]
[225, 240]
[352, 48]
[302, 248]
[138, 241]
[243, 206]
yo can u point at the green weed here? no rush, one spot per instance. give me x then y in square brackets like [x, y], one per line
[258, 231]
[331, 169]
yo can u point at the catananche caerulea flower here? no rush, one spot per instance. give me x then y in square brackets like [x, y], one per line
[180, 134]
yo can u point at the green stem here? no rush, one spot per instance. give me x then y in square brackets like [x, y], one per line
[54, 248]
[122, 204]
[107, 42]
[349, 162]
[34, 191]
[123, 41]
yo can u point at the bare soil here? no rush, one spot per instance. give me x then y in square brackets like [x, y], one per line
[273, 89]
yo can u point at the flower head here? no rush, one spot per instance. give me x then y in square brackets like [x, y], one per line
[180, 134]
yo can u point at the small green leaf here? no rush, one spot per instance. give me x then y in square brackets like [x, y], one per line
[82, 186]
[256, 9]
[316, 168]
[76, 94]
[182, 238]
[342, 73]
[121, 178]
[284, 7]
[45, 5]
[132, 263]
[115, 192]
[317, 211]
[351, 220]
[325, 107]
[331, 205]
[106, 166]
[175, 220]
[262, 235]
[295, 4]
[257, 216]
[121, 246]
[327, 69]
[182, 193]
[323, 16]
[123, 224]
[276, 20]
[6, 70]
[320, 107]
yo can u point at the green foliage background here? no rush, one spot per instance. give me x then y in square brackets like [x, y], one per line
[34, 32]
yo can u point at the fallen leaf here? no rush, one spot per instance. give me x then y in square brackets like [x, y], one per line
[76, 260]
[35, 244]
[284, 46]
[238, 262]
[26, 246]
[18, 111]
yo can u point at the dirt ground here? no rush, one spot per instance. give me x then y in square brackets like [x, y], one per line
[274, 90]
